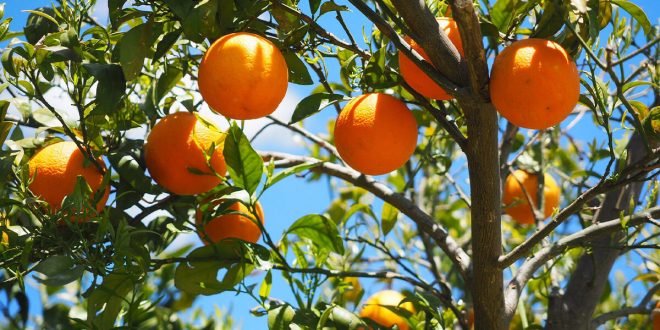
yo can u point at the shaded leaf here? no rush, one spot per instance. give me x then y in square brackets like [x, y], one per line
[313, 104]
[298, 73]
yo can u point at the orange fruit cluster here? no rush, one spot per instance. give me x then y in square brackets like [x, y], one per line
[515, 197]
[55, 170]
[374, 309]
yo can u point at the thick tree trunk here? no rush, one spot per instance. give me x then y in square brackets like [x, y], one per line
[575, 307]
[483, 162]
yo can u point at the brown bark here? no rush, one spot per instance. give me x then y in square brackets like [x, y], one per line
[574, 308]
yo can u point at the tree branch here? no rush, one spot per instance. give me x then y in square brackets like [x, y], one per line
[425, 222]
[578, 239]
[639, 309]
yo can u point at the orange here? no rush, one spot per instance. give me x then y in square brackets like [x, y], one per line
[55, 170]
[243, 76]
[176, 154]
[516, 199]
[374, 310]
[415, 77]
[233, 225]
[352, 293]
[656, 317]
[534, 83]
[375, 133]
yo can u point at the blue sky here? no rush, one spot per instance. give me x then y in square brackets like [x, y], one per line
[293, 197]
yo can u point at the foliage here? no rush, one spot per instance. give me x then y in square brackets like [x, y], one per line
[117, 269]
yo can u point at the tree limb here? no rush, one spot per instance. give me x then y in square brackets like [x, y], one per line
[425, 222]
[580, 238]
[641, 308]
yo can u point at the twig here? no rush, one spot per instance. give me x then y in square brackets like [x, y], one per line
[425, 222]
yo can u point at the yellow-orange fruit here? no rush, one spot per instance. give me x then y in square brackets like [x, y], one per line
[243, 76]
[375, 133]
[534, 83]
[55, 170]
[415, 77]
[233, 225]
[176, 151]
[374, 310]
[351, 294]
[514, 196]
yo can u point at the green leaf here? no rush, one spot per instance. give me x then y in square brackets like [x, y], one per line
[637, 13]
[108, 298]
[166, 44]
[111, 87]
[281, 317]
[200, 276]
[298, 73]
[40, 22]
[245, 166]
[332, 6]
[313, 104]
[377, 73]
[264, 290]
[133, 49]
[551, 20]
[5, 128]
[389, 216]
[290, 171]
[320, 231]
[202, 21]
[58, 270]
[130, 171]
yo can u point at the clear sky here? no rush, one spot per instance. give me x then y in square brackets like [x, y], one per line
[293, 197]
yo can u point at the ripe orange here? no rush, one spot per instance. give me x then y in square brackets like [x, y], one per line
[415, 77]
[374, 310]
[375, 133]
[55, 170]
[520, 210]
[176, 152]
[243, 76]
[351, 294]
[534, 83]
[232, 225]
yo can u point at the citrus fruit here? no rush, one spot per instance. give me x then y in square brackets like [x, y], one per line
[374, 310]
[55, 169]
[516, 199]
[375, 133]
[243, 76]
[415, 77]
[352, 293]
[534, 83]
[232, 225]
[176, 154]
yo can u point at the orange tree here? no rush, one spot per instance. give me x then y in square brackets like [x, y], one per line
[578, 81]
